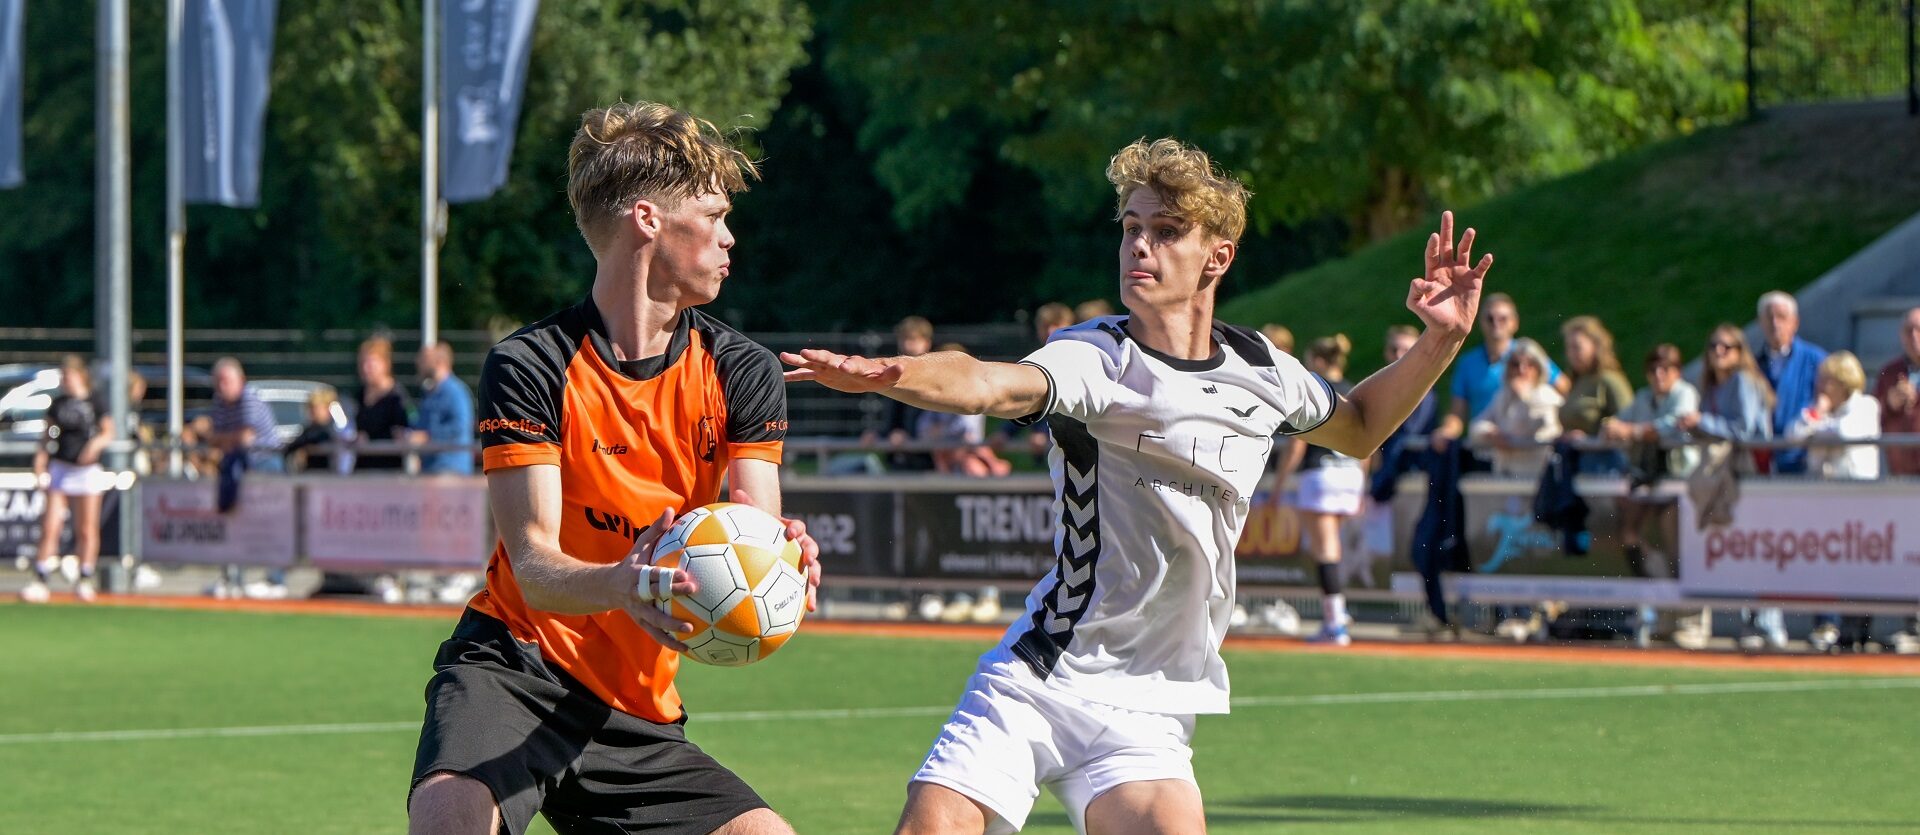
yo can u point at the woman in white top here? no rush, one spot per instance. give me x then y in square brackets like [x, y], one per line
[1841, 410]
[1523, 416]
[1327, 487]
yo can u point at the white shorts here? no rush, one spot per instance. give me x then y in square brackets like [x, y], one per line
[1335, 490]
[1012, 734]
[76, 480]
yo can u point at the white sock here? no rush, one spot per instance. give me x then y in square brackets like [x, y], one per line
[1335, 607]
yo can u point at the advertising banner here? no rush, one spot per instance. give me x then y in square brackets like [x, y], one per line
[1808, 541]
[23, 506]
[985, 536]
[437, 522]
[1515, 556]
[855, 530]
[181, 523]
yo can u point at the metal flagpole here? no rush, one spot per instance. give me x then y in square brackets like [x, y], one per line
[429, 173]
[112, 231]
[176, 243]
[112, 236]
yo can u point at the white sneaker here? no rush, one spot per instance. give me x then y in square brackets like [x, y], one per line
[1692, 632]
[35, 592]
[70, 568]
[84, 590]
[959, 611]
[458, 587]
[1517, 630]
[145, 578]
[987, 609]
[218, 590]
[931, 606]
[1283, 618]
[1906, 643]
[1823, 638]
[1239, 617]
[388, 589]
[263, 590]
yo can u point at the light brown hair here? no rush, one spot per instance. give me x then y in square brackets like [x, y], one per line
[1280, 335]
[914, 326]
[645, 151]
[1744, 364]
[1332, 351]
[1605, 359]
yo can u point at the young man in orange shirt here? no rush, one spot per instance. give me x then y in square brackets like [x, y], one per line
[599, 424]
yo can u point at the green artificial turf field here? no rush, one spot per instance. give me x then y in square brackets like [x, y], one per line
[1317, 743]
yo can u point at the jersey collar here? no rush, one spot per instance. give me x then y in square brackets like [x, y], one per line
[1210, 363]
[644, 368]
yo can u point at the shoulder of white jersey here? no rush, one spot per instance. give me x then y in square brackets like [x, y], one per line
[1108, 333]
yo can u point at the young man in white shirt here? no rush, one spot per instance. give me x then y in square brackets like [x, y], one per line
[1162, 422]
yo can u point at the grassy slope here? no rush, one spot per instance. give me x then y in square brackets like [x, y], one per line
[1662, 244]
[1812, 761]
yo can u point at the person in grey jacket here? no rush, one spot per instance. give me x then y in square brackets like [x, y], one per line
[1651, 423]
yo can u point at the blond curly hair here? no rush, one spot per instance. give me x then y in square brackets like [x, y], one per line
[1190, 188]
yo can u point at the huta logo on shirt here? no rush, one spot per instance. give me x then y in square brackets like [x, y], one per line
[614, 449]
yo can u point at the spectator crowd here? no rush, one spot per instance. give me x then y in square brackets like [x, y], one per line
[1509, 409]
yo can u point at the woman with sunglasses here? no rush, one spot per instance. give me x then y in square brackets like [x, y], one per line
[1736, 404]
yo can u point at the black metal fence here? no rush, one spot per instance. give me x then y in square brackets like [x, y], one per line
[1803, 51]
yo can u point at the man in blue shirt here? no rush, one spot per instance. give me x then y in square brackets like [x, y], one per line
[446, 413]
[1791, 365]
[1478, 373]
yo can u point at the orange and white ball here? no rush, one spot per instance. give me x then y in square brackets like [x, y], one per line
[752, 592]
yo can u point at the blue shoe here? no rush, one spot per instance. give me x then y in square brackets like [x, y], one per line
[1330, 633]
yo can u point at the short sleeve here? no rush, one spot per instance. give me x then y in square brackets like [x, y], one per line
[1080, 379]
[1308, 397]
[756, 394]
[519, 415]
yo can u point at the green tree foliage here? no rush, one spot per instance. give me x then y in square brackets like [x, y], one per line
[1367, 110]
[335, 239]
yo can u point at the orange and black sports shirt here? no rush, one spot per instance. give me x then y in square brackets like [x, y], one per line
[631, 438]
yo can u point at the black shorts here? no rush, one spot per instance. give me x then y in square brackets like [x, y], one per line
[542, 742]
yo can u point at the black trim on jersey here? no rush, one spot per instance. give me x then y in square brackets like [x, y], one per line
[522, 379]
[1046, 408]
[752, 380]
[1067, 600]
[1246, 342]
[1333, 402]
[1210, 363]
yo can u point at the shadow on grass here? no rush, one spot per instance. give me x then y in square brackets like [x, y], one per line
[1314, 809]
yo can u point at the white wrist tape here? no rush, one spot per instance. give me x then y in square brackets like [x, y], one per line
[656, 583]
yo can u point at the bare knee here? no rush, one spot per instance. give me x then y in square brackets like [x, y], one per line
[446, 803]
[933, 809]
[756, 822]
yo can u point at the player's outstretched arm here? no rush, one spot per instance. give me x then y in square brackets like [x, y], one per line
[1446, 298]
[526, 506]
[944, 381]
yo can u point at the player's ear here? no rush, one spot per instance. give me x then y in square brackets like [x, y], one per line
[1220, 258]
[646, 219]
